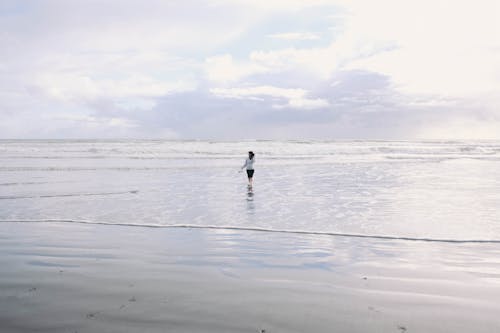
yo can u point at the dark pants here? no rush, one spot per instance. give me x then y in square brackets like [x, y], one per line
[250, 173]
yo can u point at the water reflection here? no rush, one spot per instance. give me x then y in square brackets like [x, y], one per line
[250, 201]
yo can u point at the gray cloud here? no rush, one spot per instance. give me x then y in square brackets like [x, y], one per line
[362, 105]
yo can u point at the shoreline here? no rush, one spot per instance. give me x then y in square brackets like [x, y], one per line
[257, 229]
[68, 277]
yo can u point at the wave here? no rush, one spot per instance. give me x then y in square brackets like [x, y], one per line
[65, 195]
[31, 183]
[87, 168]
[208, 156]
[95, 149]
[257, 229]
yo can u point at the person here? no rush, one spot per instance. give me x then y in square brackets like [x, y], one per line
[249, 166]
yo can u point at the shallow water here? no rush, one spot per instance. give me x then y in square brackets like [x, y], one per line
[431, 190]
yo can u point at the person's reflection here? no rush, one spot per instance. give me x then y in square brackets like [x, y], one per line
[250, 203]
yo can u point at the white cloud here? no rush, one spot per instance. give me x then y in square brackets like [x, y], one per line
[224, 69]
[101, 122]
[444, 47]
[118, 49]
[259, 91]
[318, 62]
[460, 128]
[295, 36]
[276, 5]
[305, 103]
[295, 98]
[74, 87]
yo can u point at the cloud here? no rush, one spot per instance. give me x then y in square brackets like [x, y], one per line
[318, 62]
[223, 68]
[119, 41]
[386, 69]
[466, 127]
[295, 36]
[295, 98]
[96, 122]
[433, 51]
[276, 5]
[71, 87]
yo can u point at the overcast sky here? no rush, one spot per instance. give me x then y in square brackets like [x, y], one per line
[250, 69]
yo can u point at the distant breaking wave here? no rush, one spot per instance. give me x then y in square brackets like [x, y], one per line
[256, 229]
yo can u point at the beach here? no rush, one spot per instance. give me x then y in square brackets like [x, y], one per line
[160, 236]
[249, 166]
[60, 277]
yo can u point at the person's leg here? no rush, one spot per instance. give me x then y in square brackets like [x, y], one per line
[250, 177]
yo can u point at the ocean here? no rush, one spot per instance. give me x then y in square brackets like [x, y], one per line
[424, 190]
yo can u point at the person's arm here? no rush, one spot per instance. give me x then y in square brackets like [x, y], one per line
[244, 165]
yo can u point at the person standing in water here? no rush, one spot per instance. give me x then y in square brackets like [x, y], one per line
[249, 166]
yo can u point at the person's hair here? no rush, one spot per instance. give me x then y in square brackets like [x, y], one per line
[251, 154]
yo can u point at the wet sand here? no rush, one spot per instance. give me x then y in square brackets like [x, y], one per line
[63, 277]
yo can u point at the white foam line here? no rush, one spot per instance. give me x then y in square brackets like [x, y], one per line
[65, 195]
[300, 232]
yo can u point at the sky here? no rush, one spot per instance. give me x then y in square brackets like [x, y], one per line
[250, 69]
